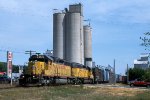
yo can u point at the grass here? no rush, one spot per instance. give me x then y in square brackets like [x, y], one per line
[68, 92]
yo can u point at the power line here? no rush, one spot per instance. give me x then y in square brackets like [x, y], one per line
[30, 52]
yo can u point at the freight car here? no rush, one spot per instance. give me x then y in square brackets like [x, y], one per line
[118, 78]
[124, 79]
[46, 70]
[101, 75]
[98, 75]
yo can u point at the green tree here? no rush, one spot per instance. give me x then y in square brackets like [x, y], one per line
[146, 40]
[146, 43]
[147, 75]
[3, 67]
[135, 73]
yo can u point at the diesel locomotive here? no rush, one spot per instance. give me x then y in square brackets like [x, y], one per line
[46, 70]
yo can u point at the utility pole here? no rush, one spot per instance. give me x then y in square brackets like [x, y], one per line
[29, 52]
[114, 73]
[127, 74]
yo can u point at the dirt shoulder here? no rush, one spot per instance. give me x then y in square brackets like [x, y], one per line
[115, 90]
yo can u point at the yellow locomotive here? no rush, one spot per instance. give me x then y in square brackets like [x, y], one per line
[45, 70]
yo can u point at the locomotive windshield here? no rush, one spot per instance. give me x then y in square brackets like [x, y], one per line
[41, 58]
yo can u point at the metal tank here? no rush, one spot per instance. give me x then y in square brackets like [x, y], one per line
[87, 45]
[58, 35]
[72, 37]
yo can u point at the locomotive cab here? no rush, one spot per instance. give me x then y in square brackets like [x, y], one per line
[33, 74]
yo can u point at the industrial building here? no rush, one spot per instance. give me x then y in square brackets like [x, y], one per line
[143, 62]
[72, 41]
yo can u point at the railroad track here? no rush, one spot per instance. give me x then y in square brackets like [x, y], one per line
[8, 86]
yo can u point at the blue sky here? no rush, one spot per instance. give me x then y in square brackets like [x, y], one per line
[116, 28]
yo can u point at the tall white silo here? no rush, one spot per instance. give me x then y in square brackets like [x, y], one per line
[72, 37]
[78, 8]
[58, 35]
[81, 40]
[87, 45]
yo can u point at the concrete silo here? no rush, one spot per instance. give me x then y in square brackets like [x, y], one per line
[78, 8]
[81, 40]
[87, 45]
[58, 35]
[72, 37]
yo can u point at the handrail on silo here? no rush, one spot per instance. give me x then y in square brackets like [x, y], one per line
[58, 11]
[89, 21]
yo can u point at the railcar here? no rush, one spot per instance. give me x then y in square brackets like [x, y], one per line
[98, 75]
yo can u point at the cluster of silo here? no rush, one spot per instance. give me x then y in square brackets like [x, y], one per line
[70, 36]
